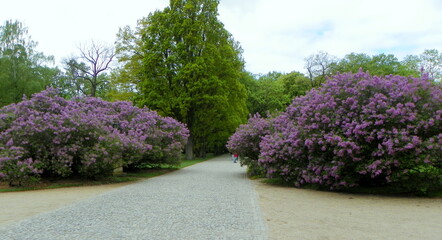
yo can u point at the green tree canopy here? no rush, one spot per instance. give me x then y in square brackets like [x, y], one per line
[186, 65]
[430, 62]
[380, 65]
[295, 84]
[22, 69]
[267, 96]
[274, 91]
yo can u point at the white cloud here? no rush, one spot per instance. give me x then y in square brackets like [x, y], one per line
[60, 27]
[275, 34]
[279, 34]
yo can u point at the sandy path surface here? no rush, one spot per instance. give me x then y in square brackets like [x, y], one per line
[292, 213]
[15, 206]
[289, 213]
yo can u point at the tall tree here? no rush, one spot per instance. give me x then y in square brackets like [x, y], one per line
[23, 71]
[121, 86]
[125, 80]
[250, 82]
[187, 66]
[87, 73]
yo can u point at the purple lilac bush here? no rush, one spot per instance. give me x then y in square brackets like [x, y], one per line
[360, 130]
[245, 142]
[52, 137]
[16, 168]
[148, 137]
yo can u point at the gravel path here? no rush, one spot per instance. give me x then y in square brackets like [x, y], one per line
[210, 200]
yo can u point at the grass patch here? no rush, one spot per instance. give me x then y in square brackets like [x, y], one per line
[139, 174]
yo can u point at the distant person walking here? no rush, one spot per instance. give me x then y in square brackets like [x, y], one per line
[235, 157]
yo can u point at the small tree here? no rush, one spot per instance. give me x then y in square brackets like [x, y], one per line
[88, 70]
[318, 67]
[431, 63]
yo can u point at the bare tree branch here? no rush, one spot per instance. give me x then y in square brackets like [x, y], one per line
[318, 67]
[94, 59]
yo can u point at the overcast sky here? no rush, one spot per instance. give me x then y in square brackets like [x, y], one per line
[276, 35]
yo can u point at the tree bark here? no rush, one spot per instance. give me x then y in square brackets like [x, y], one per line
[189, 148]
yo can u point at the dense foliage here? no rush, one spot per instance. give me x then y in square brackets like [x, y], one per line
[186, 65]
[23, 70]
[356, 130]
[273, 92]
[49, 136]
[379, 65]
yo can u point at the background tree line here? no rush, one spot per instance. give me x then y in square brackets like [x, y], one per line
[183, 63]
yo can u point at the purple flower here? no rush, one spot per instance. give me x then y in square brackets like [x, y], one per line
[88, 135]
[351, 128]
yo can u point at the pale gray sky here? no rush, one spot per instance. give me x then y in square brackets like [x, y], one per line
[276, 35]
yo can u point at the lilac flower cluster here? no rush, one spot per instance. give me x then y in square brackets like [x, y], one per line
[245, 142]
[358, 129]
[16, 168]
[85, 136]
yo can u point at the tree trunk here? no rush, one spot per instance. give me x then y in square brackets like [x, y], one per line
[93, 91]
[202, 149]
[189, 148]
[93, 86]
